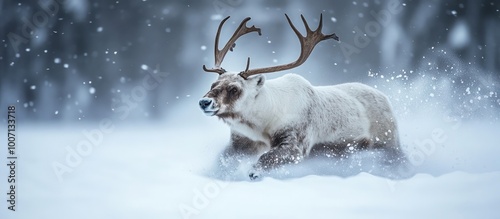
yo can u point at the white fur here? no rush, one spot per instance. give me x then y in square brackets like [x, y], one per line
[350, 111]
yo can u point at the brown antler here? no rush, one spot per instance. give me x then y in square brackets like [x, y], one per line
[219, 54]
[307, 44]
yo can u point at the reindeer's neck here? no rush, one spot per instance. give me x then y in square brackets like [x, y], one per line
[281, 101]
[263, 108]
[253, 120]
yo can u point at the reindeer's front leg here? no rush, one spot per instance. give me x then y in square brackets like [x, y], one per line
[239, 149]
[284, 150]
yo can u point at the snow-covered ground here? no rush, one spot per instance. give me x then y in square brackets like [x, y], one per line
[160, 171]
[116, 168]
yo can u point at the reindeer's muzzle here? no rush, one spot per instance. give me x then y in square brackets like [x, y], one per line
[207, 105]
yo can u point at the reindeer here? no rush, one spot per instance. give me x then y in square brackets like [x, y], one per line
[284, 120]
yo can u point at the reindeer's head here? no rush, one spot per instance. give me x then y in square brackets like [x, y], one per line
[232, 91]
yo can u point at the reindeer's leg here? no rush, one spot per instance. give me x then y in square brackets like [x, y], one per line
[239, 148]
[284, 150]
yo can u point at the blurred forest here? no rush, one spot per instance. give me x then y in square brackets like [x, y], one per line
[70, 60]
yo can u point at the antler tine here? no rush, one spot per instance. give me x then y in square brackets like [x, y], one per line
[320, 27]
[214, 70]
[248, 64]
[220, 54]
[307, 45]
[293, 27]
[308, 30]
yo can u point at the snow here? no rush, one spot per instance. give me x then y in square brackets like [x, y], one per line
[447, 113]
[163, 170]
[459, 35]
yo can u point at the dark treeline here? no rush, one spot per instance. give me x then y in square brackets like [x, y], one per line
[70, 60]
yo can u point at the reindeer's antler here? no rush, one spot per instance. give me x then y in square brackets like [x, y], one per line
[219, 54]
[307, 44]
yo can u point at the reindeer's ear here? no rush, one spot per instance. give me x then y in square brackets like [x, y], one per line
[259, 80]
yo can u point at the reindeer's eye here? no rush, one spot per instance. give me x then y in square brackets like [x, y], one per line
[233, 90]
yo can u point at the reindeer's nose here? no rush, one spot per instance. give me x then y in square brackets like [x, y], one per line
[205, 102]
